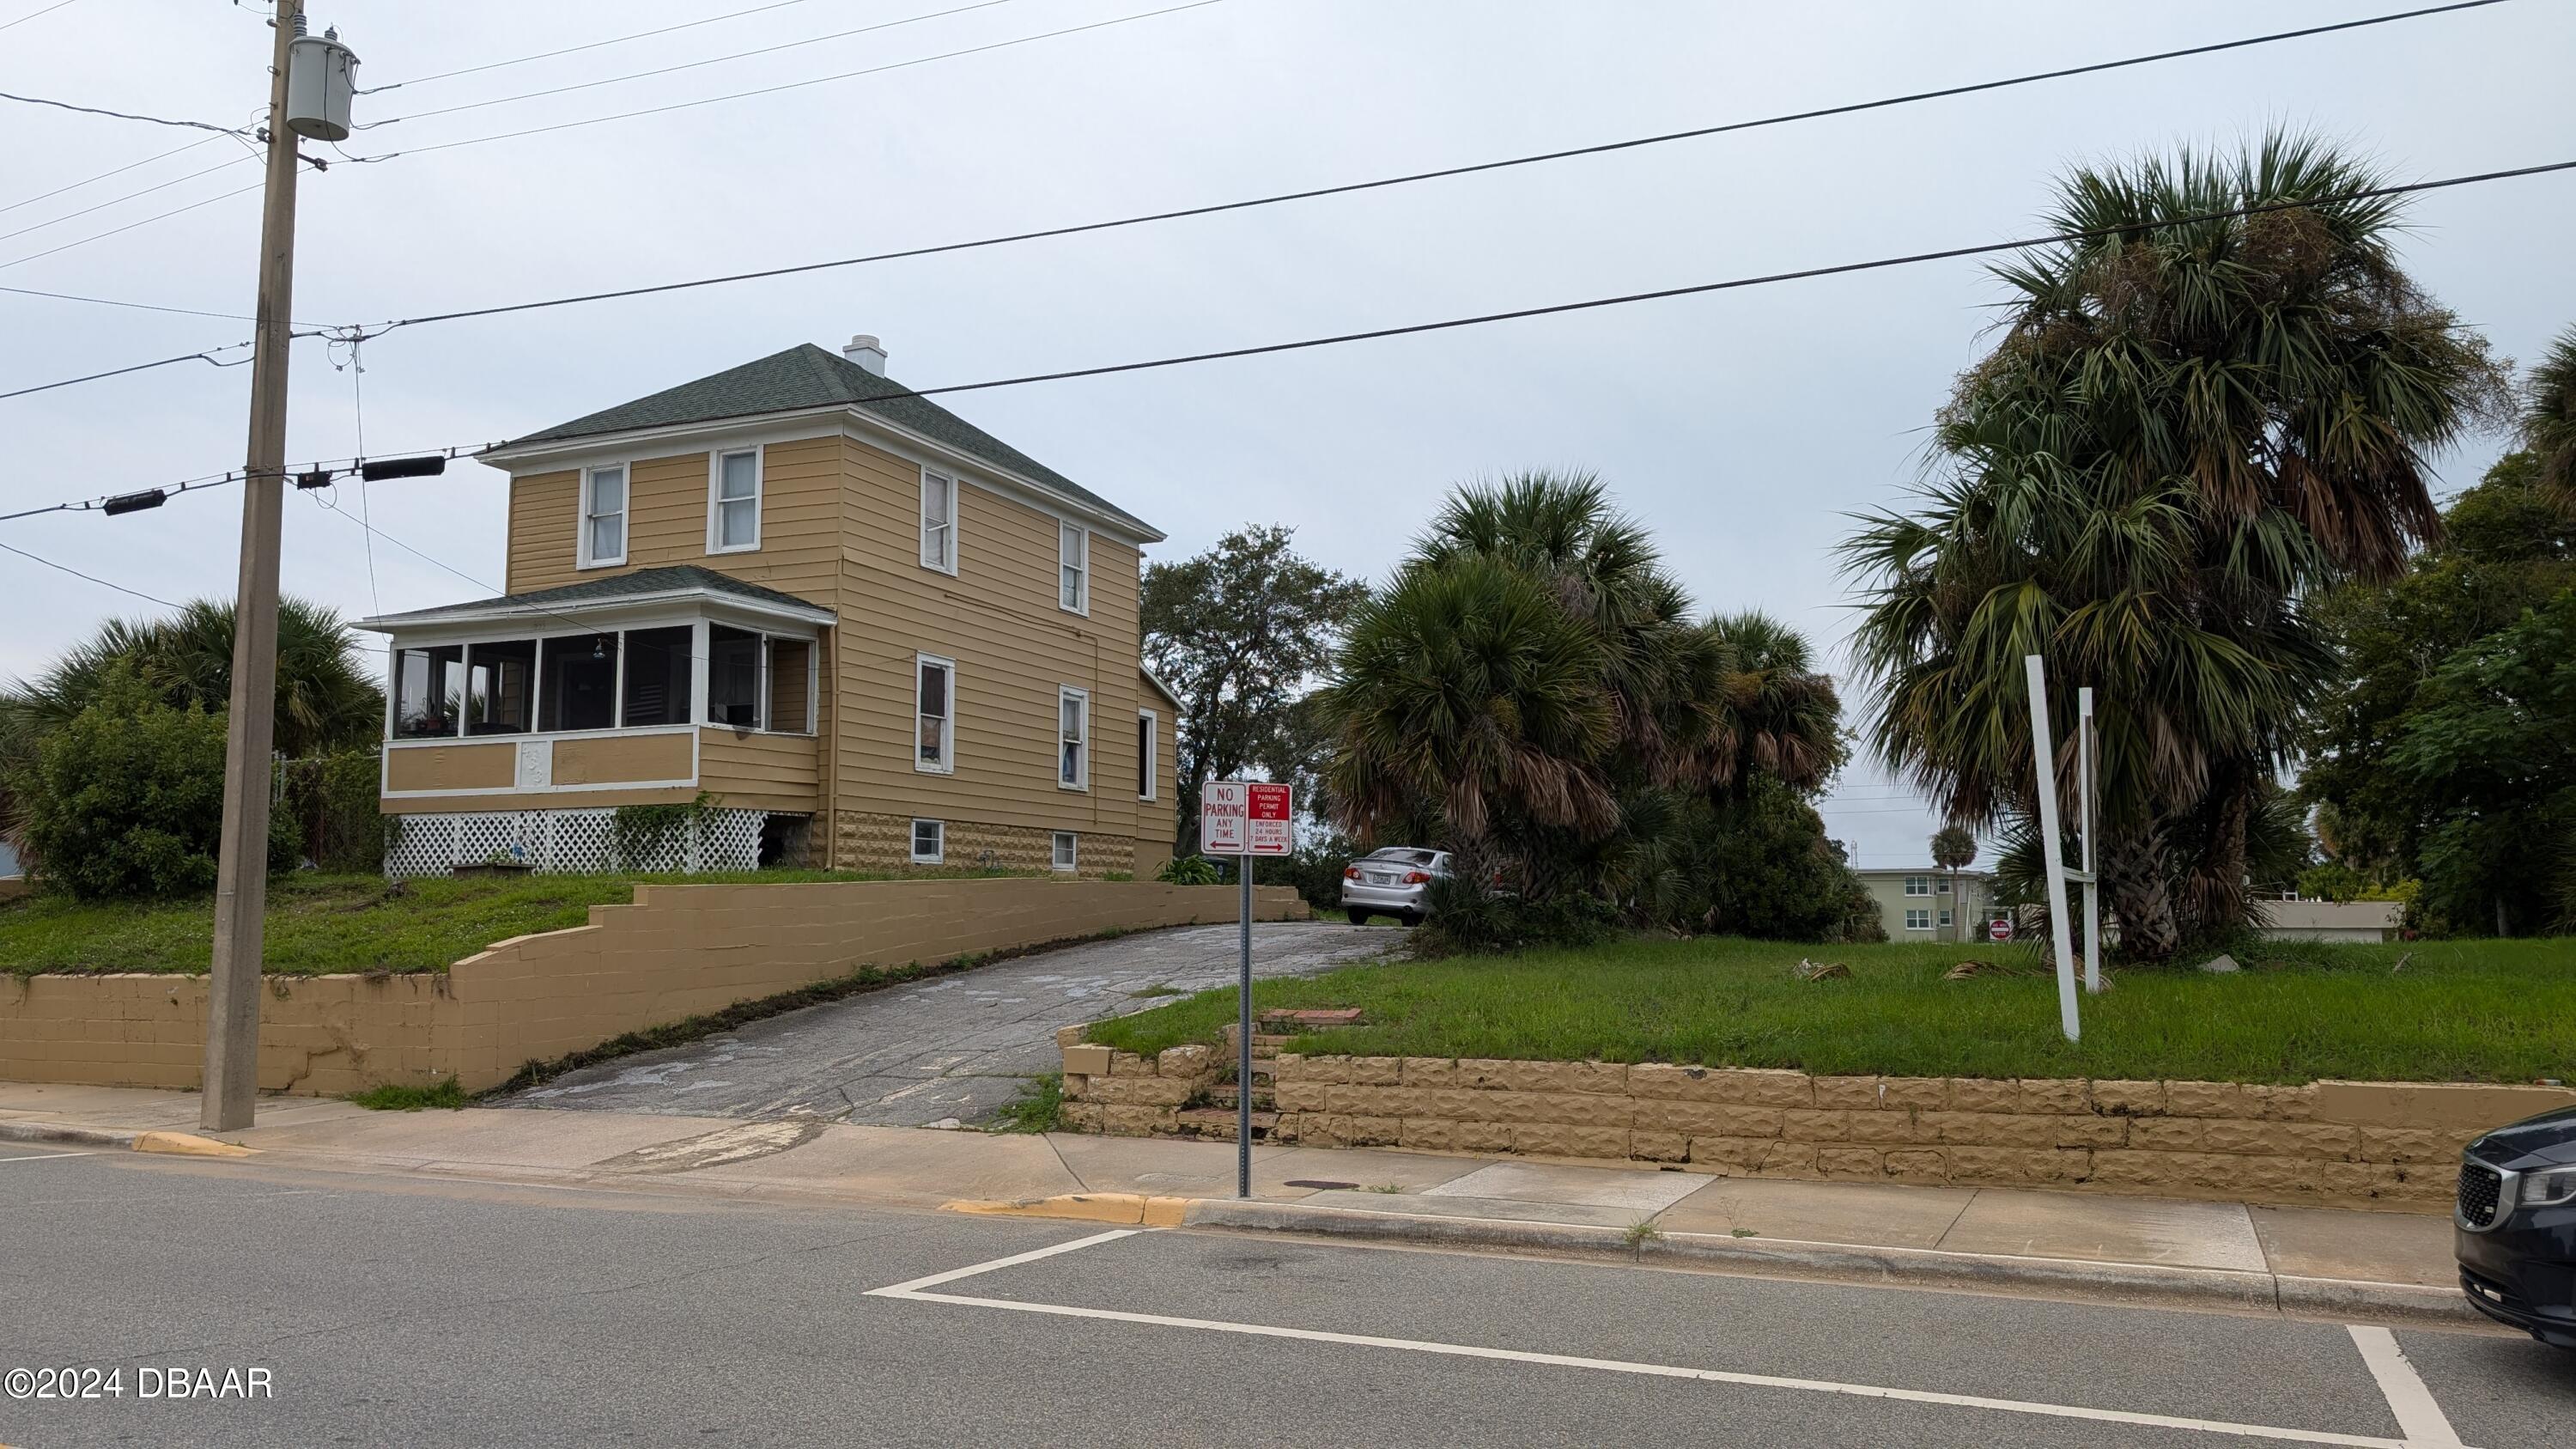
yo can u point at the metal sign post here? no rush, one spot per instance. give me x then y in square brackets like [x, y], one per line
[2086, 782]
[2061, 930]
[1246, 820]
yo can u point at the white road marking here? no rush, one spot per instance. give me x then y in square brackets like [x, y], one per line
[2419, 1418]
[913, 1291]
[48, 1156]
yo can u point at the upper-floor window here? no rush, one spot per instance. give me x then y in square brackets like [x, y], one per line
[1145, 723]
[1073, 557]
[1073, 738]
[934, 710]
[733, 507]
[603, 516]
[938, 521]
[1918, 885]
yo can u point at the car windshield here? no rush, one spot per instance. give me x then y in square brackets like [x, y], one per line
[1405, 855]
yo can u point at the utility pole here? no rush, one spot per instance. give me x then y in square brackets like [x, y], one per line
[241, 876]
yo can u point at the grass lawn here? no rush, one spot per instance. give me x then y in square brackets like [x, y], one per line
[2497, 1011]
[320, 924]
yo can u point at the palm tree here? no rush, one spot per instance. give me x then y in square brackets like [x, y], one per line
[1953, 848]
[326, 702]
[2186, 430]
[2549, 418]
[1465, 699]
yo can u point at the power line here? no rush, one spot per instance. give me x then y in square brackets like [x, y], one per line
[822, 80]
[32, 14]
[113, 171]
[419, 80]
[129, 196]
[120, 115]
[137, 306]
[207, 357]
[1408, 178]
[685, 65]
[66, 568]
[1660, 294]
[131, 225]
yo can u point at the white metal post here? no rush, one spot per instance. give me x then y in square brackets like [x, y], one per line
[2061, 930]
[2085, 784]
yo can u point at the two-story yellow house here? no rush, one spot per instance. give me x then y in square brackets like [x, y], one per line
[874, 634]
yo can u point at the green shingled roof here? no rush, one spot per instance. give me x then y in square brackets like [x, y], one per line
[639, 584]
[803, 377]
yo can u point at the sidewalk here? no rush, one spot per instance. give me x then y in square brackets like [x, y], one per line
[2299, 1260]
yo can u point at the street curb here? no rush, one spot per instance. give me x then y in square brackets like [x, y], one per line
[2124, 1282]
[183, 1144]
[1128, 1209]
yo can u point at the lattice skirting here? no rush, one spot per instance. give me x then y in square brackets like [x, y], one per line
[567, 842]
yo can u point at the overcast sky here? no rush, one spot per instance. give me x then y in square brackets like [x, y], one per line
[1742, 426]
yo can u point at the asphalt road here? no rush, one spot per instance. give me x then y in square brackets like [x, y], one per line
[401, 1310]
[952, 1047]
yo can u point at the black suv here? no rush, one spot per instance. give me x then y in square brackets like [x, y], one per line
[2516, 1221]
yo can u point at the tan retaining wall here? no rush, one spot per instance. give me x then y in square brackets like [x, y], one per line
[2347, 1144]
[679, 951]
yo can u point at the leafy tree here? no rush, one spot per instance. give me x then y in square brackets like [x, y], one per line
[127, 797]
[2491, 747]
[2507, 549]
[1238, 632]
[2186, 430]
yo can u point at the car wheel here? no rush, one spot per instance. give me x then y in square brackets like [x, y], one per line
[1358, 917]
[1411, 919]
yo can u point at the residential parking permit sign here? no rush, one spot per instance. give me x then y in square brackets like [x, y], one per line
[1241, 817]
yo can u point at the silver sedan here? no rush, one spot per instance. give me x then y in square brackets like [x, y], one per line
[1394, 882]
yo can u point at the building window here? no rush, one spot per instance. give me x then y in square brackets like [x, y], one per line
[1918, 885]
[938, 521]
[1945, 919]
[1145, 754]
[657, 676]
[603, 517]
[791, 687]
[501, 688]
[1067, 848]
[1918, 919]
[733, 677]
[429, 691]
[733, 518]
[1073, 556]
[929, 842]
[934, 708]
[1073, 739]
[577, 683]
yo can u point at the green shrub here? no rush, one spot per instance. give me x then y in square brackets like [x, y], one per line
[127, 798]
[1465, 917]
[1189, 870]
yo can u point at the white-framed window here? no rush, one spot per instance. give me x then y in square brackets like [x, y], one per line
[1918, 918]
[1073, 559]
[939, 521]
[1068, 848]
[929, 842]
[1945, 918]
[934, 709]
[603, 516]
[1145, 723]
[733, 501]
[1918, 885]
[1073, 738]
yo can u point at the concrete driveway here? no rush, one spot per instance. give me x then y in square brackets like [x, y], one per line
[953, 1047]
